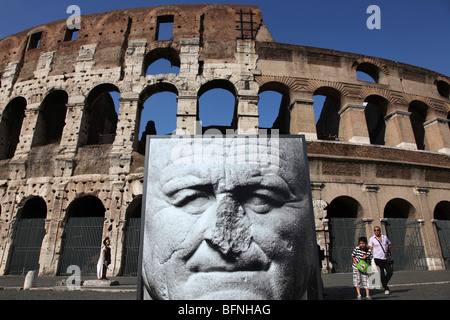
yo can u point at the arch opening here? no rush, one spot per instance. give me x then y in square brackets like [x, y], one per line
[442, 223]
[344, 207]
[10, 127]
[102, 115]
[399, 208]
[83, 235]
[326, 111]
[375, 112]
[217, 106]
[158, 112]
[132, 237]
[51, 119]
[161, 60]
[345, 227]
[368, 72]
[443, 89]
[273, 107]
[418, 116]
[442, 211]
[28, 236]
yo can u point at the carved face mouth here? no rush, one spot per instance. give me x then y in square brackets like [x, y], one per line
[208, 259]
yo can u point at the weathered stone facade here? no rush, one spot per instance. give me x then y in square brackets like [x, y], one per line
[53, 145]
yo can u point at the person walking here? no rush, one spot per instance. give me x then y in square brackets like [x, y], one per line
[381, 246]
[361, 278]
[104, 261]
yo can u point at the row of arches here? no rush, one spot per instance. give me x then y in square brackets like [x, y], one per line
[84, 227]
[345, 224]
[167, 60]
[82, 236]
[216, 107]
[101, 114]
[376, 108]
[348, 207]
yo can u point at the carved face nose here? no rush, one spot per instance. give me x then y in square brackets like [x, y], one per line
[231, 235]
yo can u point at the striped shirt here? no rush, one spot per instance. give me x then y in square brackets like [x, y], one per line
[358, 254]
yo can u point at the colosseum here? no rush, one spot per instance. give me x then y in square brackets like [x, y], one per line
[72, 168]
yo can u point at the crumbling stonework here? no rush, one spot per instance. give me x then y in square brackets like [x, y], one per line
[53, 94]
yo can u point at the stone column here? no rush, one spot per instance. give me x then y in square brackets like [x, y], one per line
[353, 125]
[27, 131]
[115, 217]
[18, 163]
[73, 136]
[430, 240]
[320, 214]
[302, 118]
[399, 132]
[187, 115]
[189, 54]
[437, 135]
[54, 226]
[371, 191]
[127, 134]
[6, 232]
[247, 115]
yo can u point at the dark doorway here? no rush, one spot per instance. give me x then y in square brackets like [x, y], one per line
[28, 236]
[83, 235]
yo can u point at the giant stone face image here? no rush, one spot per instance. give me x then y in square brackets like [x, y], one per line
[227, 218]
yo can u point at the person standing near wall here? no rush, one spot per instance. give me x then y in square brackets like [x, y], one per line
[380, 246]
[104, 261]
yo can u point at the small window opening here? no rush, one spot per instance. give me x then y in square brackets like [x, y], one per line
[164, 30]
[35, 40]
[71, 34]
[367, 72]
[443, 89]
[362, 76]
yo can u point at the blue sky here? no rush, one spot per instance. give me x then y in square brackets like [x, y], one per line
[412, 31]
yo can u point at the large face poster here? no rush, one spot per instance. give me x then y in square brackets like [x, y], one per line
[227, 217]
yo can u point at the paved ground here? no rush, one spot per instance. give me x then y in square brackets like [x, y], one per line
[405, 285]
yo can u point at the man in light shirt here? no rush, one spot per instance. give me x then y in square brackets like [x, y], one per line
[380, 245]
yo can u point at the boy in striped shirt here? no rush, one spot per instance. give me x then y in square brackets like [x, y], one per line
[360, 279]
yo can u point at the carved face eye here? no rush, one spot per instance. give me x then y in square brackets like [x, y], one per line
[193, 200]
[262, 201]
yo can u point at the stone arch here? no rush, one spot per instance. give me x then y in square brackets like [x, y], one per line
[372, 68]
[164, 109]
[442, 210]
[218, 85]
[166, 53]
[375, 111]
[345, 226]
[82, 236]
[443, 88]
[9, 44]
[418, 116]
[130, 253]
[442, 224]
[51, 118]
[10, 126]
[101, 117]
[344, 207]
[327, 124]
[29, 232]
[400, 209]
[282, 120]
